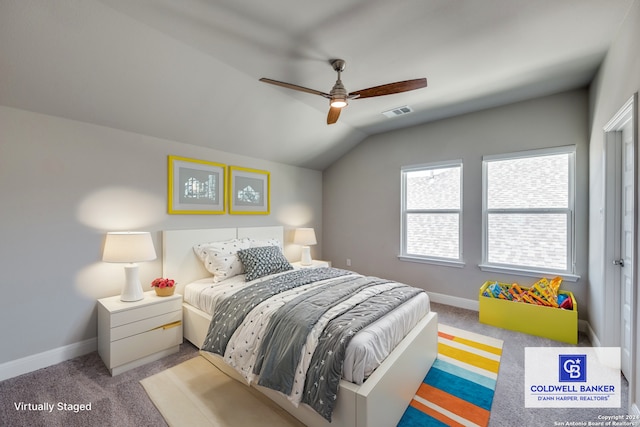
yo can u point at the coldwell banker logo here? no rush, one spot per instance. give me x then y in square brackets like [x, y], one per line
[556, 379]
[573, 368]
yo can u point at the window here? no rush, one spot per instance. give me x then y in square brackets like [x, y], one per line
[432, 213]
[528, 202]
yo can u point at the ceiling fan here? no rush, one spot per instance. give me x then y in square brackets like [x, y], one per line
[339, 97]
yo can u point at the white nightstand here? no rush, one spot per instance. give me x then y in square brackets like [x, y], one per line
[131, 334]
[316, 263]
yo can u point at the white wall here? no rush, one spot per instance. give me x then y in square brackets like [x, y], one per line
[362, 190]
[617, 80]
[64, 184]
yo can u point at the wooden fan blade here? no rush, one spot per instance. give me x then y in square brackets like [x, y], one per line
[391, 88]
[333, 115]
[295, 87]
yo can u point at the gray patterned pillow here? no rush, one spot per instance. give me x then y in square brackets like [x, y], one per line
[262, 261]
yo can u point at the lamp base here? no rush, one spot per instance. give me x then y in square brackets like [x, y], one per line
[132, 289]
[306, 256]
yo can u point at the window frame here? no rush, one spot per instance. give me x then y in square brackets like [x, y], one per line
[404, 212]
[569, 273]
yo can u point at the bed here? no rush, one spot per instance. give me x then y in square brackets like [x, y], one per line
[378, 402]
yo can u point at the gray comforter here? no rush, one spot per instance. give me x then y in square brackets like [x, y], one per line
[287, 330]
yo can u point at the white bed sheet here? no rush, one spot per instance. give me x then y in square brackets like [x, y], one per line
[367, 349]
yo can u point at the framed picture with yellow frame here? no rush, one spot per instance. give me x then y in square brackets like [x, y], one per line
[249, 191]
[196, 186]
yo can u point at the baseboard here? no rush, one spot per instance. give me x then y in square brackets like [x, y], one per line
[465, 303]
[584, 326]
[34, 362]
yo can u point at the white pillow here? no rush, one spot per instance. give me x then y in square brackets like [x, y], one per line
[221, 258]
[262, 243]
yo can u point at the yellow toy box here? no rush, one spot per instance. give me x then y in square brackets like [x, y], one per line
[549, 322]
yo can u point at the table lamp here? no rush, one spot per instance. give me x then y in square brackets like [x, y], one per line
[129, 248]
[305, 237]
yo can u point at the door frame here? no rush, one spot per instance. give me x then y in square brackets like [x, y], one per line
[612, 185]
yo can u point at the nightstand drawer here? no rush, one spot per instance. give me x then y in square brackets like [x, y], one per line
[131, 334]
[143, 312]
[141, 345]
[144, 325]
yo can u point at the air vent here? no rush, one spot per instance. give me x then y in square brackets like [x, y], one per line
[399, 111]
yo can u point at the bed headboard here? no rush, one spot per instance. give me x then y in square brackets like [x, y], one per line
[179, 261]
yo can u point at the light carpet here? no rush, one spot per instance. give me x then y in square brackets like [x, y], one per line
[458, 389]
[196, 393]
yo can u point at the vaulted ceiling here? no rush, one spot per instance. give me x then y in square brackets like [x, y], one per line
[188, 70]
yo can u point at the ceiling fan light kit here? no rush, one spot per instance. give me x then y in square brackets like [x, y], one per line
[338, 103]
[338, 94]
[339, 97]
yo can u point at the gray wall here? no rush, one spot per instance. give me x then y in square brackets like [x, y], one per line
[617, 80]
[64, 184]
[362, 190]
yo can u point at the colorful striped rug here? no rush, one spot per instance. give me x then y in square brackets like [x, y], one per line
[458, 389]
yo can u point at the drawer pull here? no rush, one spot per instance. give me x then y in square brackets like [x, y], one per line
[169, 325]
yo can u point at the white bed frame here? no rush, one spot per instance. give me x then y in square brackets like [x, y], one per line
[379, 402]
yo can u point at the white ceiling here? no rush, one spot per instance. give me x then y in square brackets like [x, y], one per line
[188, 70]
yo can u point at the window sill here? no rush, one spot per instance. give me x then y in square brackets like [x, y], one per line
[443, 262]
[528, 273]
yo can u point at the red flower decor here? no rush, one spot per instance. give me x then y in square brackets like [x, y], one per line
[163, 283]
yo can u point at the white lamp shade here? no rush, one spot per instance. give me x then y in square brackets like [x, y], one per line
[128, 247]
[304, 236]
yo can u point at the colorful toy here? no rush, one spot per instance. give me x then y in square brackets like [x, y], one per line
[494, 290]
[566, 302]
[517, 293]
[543, 292]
